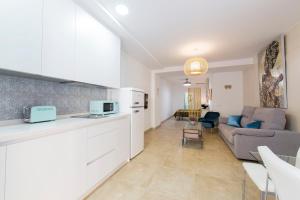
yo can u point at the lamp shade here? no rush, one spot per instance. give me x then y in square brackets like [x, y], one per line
[195, 66]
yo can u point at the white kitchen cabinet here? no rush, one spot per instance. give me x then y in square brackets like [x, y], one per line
[59, 33]
[47, 168]
[2, 171]
[97, 52]
[101, 168]
[58, 39]
[21, 35]
[66, 165]
[123, 141]
[108, 148]
[137, 131]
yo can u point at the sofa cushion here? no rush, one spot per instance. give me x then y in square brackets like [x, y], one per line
[227, 132]
[271, 118]
[234, 120]
[247, 115]
[254, 125]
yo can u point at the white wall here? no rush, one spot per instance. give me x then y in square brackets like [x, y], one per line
[227, 102]
[251, 86]
[135, 74]
[293, 80]
[251, 81]
[165, 99]
[178, 92]
[161, 100]
[155, 94]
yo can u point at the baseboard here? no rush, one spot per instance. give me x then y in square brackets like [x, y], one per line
[148, 130]
[158, 126]
[166, 119]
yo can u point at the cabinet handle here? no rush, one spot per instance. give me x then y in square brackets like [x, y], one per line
[136, 103]
[136, 111]
[99, 157]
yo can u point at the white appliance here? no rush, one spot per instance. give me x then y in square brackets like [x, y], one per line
[131, 100]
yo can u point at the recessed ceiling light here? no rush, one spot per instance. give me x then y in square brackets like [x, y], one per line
[121, 9]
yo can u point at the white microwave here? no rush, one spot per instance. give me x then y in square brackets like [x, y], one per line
[103, 107]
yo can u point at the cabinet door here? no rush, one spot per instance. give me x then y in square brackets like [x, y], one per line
[59, 33]
[108, 147]
[48, 168]
[101, 151]
[2, 171]
[137, 131]
[123, 143]
[97, 52]
[21, 35]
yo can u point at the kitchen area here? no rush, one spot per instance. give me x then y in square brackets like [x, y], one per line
[67, 123]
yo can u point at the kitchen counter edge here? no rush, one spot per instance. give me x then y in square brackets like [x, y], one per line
[22, 132]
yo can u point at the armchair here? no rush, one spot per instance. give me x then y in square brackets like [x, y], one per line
[210, 120]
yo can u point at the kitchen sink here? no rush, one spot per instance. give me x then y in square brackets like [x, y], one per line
[89, 116]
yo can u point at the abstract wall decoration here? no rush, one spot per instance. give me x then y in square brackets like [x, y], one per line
[272, 75]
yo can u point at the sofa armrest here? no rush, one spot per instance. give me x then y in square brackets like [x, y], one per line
[254, 132]
[223, 120]
[287, 132]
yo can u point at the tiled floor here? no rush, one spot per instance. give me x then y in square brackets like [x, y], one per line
[168, 171]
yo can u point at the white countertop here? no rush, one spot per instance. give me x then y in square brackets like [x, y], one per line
[22, 132]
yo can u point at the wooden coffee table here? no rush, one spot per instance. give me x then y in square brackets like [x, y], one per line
[192, 132]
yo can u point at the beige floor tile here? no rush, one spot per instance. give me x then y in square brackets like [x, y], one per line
[117, 190]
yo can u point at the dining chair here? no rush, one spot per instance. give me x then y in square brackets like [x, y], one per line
[285, 177]
[298, 159]
[259, 176]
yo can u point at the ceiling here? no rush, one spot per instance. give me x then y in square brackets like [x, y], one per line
[169, 31]
[178, 77]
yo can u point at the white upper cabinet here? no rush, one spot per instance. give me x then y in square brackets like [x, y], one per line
[97, 52]
[59, 31]
[58, 39]
[21, 35]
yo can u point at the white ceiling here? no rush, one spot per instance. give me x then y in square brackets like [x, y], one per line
[169, 30]
[178, 77]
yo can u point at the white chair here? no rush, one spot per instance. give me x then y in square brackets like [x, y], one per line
[285, 177]
[298, 159]
[258, 174]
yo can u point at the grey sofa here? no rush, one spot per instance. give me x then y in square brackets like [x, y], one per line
[272, 134]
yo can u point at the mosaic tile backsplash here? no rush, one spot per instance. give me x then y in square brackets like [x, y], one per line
[17, 92]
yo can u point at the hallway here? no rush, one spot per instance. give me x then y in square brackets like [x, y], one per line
[167, 171]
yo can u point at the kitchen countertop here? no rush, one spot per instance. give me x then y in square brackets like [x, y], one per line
[18, 133]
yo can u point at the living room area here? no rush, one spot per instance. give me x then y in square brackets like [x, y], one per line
[257, 99]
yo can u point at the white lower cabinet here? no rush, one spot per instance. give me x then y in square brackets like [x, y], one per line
[108, 147]
[65, 166]
[2, 171]
[101, 168]
[49, 168]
